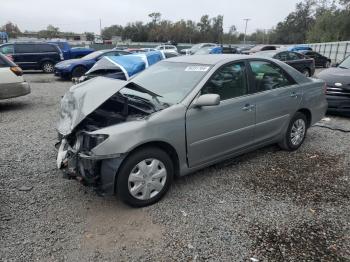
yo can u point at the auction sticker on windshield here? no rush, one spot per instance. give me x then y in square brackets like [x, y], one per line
[197, 68]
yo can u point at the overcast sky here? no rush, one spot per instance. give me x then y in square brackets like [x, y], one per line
[82, 15]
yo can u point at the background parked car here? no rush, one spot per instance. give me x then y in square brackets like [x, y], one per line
[338, 86]
[122, 67]
[167, 48]
[209, 50]
[78, 67]
[33, 56]
[196, 47]
[299, 48]
[242, 49]
[259, 48]
[300, 62]
[320, 60]
[12, 83]
[72, 52]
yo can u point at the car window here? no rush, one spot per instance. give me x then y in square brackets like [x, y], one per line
[294, 56]
[229, 81]
[7, 49]
[46, 48]
[268, 76]
[25, 48]
[266, 48]
[282, 56]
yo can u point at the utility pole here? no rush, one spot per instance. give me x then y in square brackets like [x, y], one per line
[100, 27]
[246, 26]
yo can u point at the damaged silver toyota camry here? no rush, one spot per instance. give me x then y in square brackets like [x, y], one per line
[180, 115]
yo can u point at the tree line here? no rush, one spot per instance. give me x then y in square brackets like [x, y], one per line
[311, 21]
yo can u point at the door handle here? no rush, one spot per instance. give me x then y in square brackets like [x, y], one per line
[294, 95]
[248, 107]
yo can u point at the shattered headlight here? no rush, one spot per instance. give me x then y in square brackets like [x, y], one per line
[91, 141]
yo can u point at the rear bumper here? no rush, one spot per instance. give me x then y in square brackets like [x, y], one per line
[14, 90]
[338, 104]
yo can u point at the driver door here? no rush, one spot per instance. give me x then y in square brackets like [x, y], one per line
[217, 131]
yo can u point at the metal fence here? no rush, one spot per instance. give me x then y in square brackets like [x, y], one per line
[336, 51]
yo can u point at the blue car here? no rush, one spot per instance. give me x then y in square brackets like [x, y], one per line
[75, 68]
[123, 67]
[299, 48]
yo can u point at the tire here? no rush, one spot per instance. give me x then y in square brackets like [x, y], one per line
[327, 64]
[288, 143]
[78, 71]
[48, 67]
[306, 72]
[140, 172]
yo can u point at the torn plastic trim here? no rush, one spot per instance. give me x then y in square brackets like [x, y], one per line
[98, 157]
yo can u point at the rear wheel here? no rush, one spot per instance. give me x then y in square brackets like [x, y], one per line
[47, 67]
[145, 177]
[296, 133]
[327, 64]
[78, 71]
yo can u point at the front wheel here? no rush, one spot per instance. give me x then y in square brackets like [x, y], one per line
[145, 177]
[296, 133]
[78, 71]
[47, 67]
[327, 64]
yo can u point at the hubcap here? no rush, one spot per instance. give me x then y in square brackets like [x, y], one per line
[298, 132]
[147, 179]
[48, 67]
[306, 73]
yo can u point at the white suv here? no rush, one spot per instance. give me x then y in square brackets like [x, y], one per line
[167, 48]
[12, 83]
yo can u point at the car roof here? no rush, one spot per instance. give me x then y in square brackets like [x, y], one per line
[206, 59]
[33, 43]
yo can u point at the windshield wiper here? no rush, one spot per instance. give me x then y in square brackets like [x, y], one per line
[141, 89]
[343, 67]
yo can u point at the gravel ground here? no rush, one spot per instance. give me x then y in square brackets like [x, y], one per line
[268, 205]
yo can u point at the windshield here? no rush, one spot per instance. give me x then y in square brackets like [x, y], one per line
[345, 63]
[170, 81]
[93, 55]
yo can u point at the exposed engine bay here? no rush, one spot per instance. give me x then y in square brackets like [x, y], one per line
[74, 156]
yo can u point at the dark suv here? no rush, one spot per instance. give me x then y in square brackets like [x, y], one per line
[33, 56]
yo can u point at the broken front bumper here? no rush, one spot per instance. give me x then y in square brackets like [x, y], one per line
[97, 171]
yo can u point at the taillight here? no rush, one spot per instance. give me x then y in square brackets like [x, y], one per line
[16, 70]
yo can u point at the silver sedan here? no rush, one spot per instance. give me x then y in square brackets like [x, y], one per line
[180, 115]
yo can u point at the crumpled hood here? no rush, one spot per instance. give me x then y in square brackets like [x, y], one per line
[81, 100]
[336, 75]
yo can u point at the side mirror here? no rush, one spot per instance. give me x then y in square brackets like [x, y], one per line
[207, 100]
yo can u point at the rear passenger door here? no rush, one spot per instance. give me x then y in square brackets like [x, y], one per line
[277, 98]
